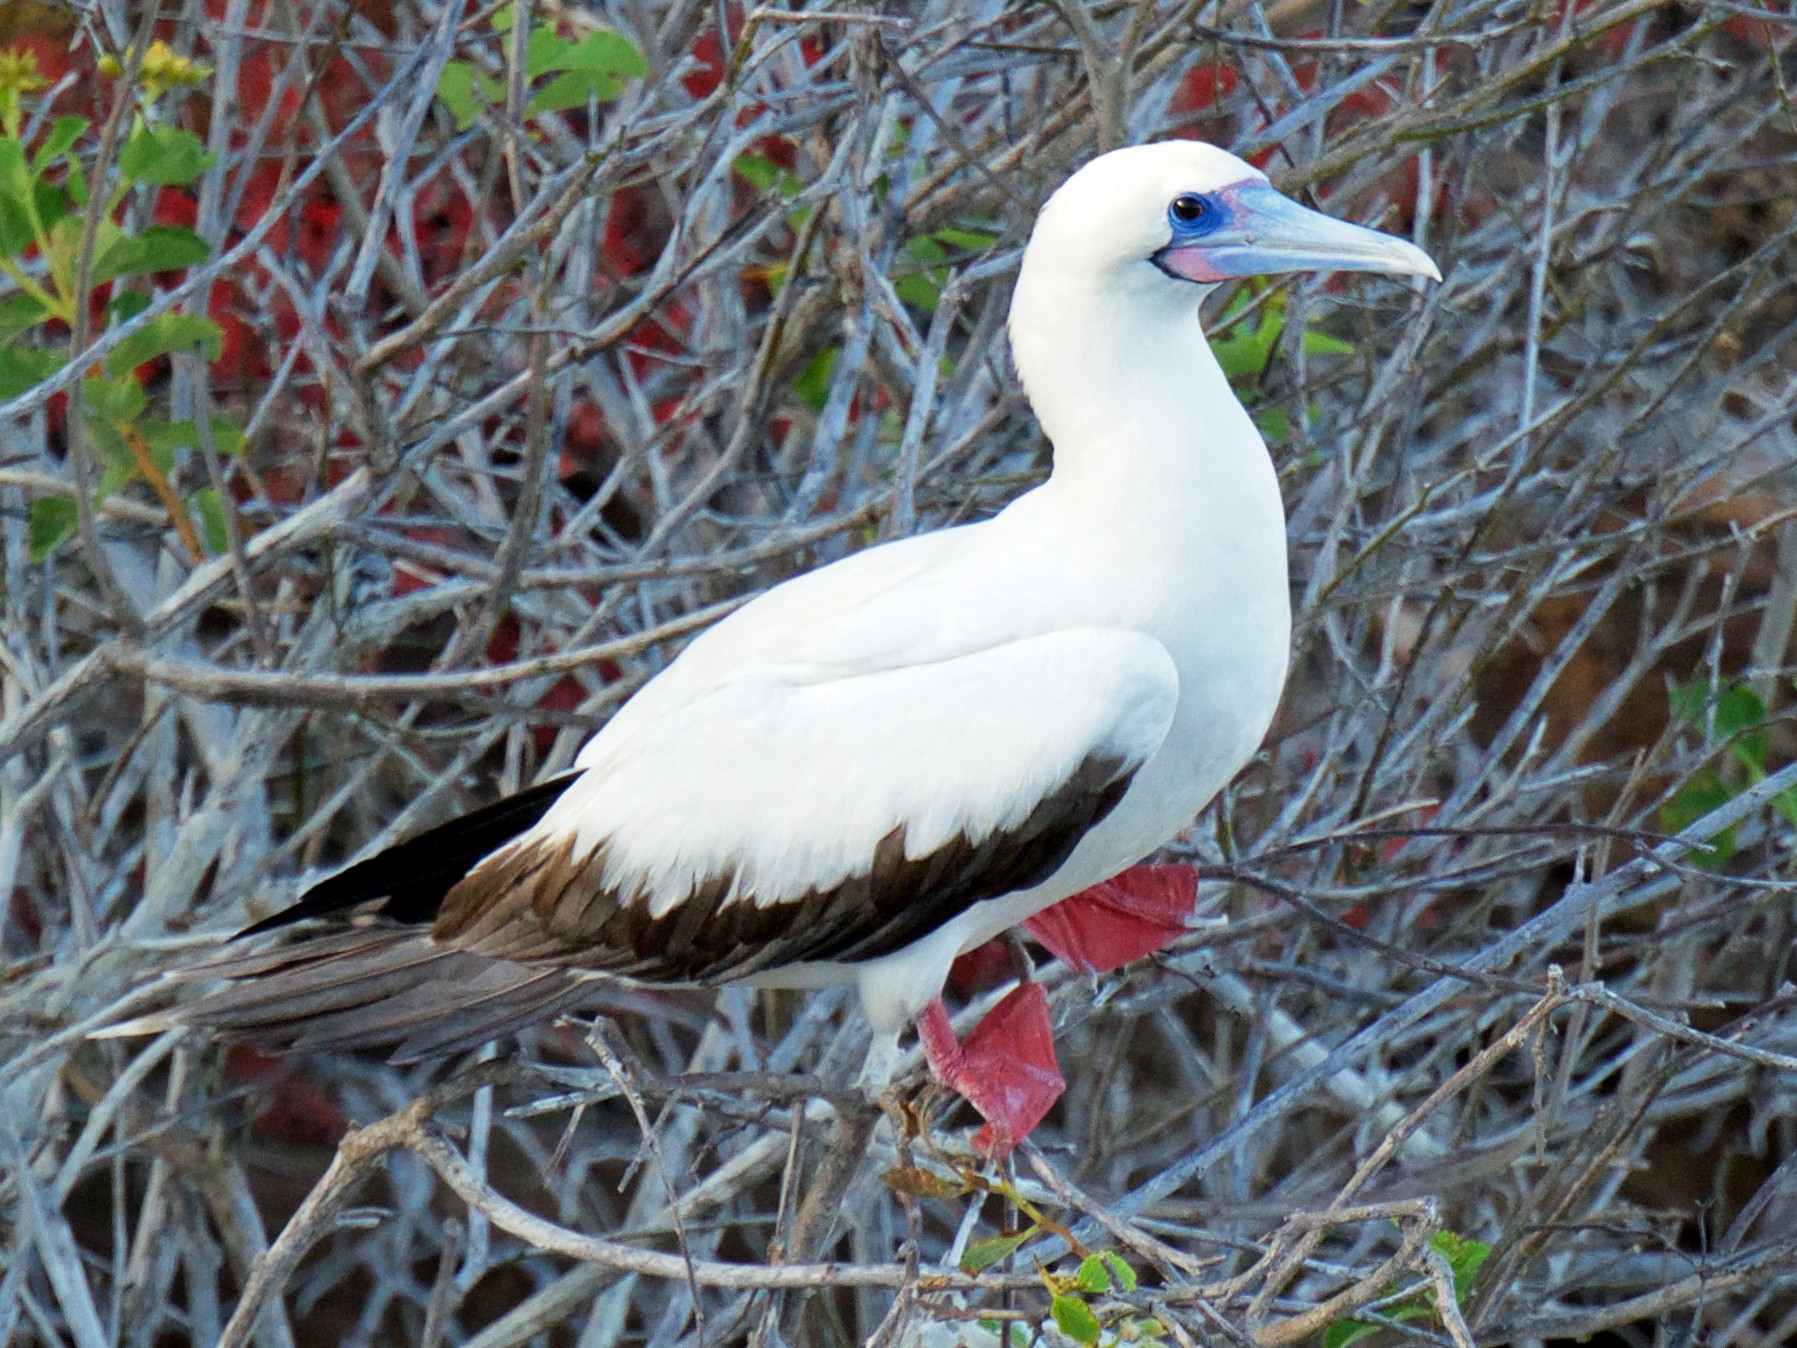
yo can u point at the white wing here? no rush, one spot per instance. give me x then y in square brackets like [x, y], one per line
[809, 809]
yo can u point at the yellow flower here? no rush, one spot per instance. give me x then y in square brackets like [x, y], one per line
[19, 73]
[163, 69]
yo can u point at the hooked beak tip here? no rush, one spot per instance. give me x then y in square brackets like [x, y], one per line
[1425, 266]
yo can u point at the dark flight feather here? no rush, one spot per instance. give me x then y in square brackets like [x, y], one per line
[413, 876]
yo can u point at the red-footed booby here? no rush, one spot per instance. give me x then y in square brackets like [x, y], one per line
[880, 764]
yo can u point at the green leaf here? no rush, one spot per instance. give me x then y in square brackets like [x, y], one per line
[969, 240]
[119, 467]
[118, 400]
[919, 290]
[165, 156]
[125, 306]
[572, 89]
[602, 52]
[1737, 716]
[1739, 709]
[1465, 1258]
[455, 87]
[542, 49]
[1242, 353]
[758, 172]
[77, 183]
[64, 253]
[227, 436]
[1689, 700]
[16, 234]
[1074, 1319]
[158, 248]
[1322, 344]
[15, 173]
[19, 312]
[765, 175]
[165, 436]
[1124, 1275]
[24, 367]
[163, 334]
[813, 385]
[17, 230]
[1275, 423]
[162, 455]
[1009, 1333]
[983, 1254]
[925, 249]
[1093, 1276]
[1703, 793]
[922, 288]
[53, 521]
[1740, 717]
[209, 510]
[1785, 802]
[465, 91]
[1344, 1332]
[64, 132]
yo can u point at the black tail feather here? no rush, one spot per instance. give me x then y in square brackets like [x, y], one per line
[413, 876]
[371, 977]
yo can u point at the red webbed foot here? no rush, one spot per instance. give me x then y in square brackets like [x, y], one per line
[1140, 911]
[1006, 1068]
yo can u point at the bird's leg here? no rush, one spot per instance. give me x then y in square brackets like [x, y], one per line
[1021, 964]
[877, 1067]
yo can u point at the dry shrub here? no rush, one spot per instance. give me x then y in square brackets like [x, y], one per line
[530, 399]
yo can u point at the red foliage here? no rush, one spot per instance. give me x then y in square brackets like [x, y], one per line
[55, 58]
[1198, 107]
[709, 52]
[635, 229]
[299, 1112]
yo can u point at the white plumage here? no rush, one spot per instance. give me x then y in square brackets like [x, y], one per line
[1120, 630]
[964, 741]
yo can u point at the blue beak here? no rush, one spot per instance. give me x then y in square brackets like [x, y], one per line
[1262, 232]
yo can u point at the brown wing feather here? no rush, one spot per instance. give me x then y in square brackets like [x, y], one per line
[514, 941]
[546, 903]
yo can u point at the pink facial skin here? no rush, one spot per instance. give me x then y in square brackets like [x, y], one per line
[1191, 262]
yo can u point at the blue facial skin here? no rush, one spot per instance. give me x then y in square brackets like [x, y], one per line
[1195, 214]
[1192, 216]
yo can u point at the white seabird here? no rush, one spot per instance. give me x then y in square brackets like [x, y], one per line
[878, 765]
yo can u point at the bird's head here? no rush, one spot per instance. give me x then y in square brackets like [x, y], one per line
[1163, 217]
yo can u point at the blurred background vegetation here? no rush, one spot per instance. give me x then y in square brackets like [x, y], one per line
[387, 389]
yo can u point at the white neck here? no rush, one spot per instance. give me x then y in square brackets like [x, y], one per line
[1144, 424]
[1163, 515]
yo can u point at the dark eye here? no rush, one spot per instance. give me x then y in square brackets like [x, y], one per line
[1188, 208]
